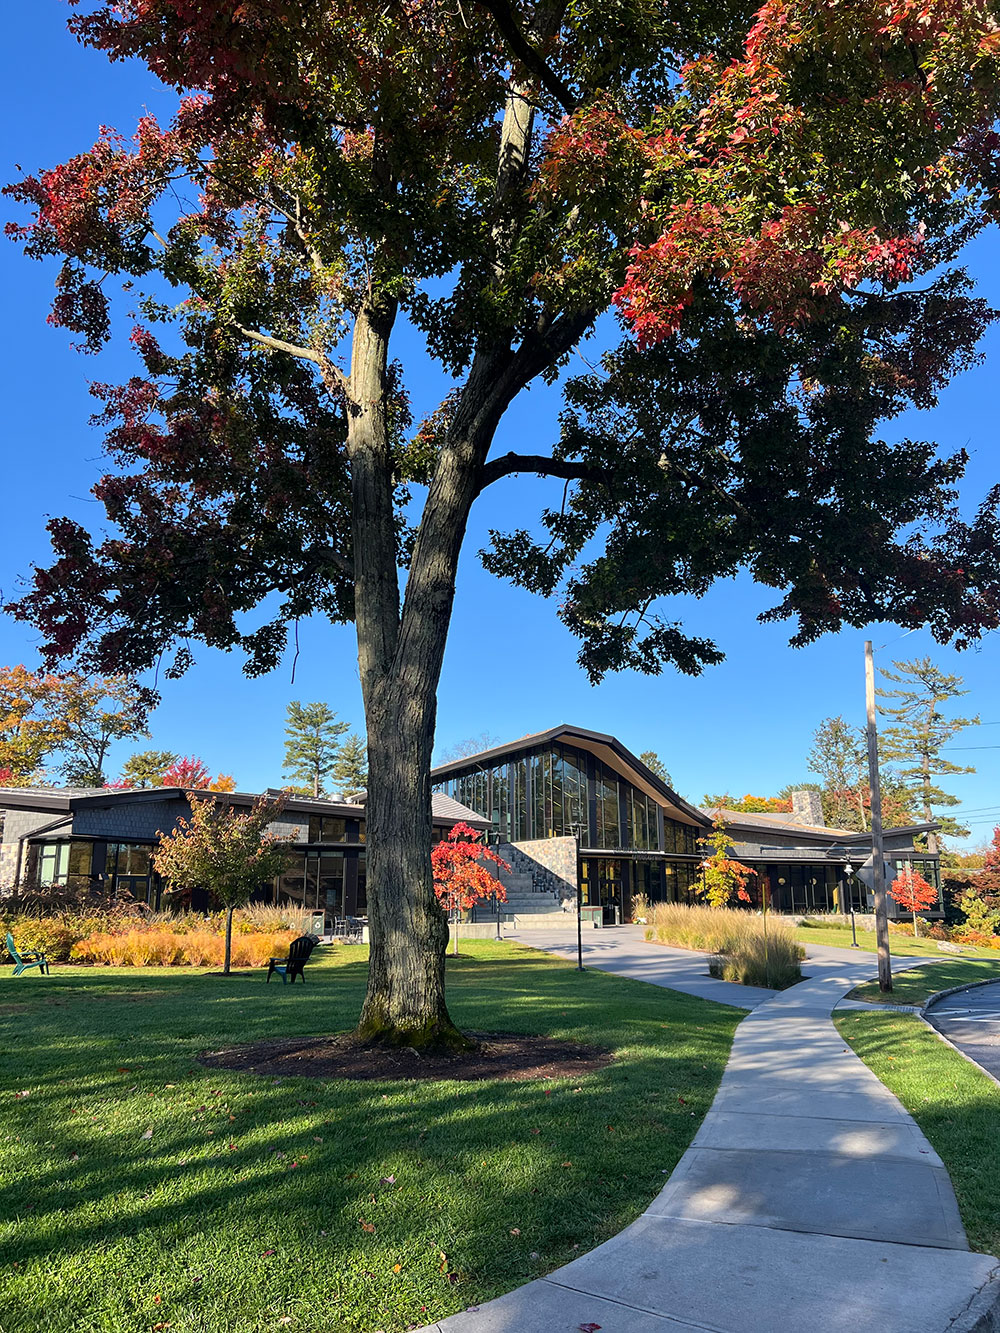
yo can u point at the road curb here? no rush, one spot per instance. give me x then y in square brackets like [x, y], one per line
[982, 1315]
[954, 990]
[922, 1015]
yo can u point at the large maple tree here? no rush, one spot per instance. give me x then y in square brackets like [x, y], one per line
[753, 194]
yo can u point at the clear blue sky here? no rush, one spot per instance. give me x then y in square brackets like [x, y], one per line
[510, 666]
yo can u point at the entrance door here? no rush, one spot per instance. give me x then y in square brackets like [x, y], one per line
[610, 887]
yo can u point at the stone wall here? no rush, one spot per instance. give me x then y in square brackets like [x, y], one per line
[558, 856]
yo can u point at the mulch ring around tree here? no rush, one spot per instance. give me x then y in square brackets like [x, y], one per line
[499, 1055]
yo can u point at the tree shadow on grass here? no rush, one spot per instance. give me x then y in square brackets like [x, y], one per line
[349, 1205]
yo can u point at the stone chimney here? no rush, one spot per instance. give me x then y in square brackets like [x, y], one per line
[807, 808]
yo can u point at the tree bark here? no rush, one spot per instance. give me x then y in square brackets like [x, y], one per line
[401, 649]
[229, 941]
[933, 844]
[400, 653]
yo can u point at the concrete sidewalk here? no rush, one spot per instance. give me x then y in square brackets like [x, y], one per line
[625, 951]
[809, 1200]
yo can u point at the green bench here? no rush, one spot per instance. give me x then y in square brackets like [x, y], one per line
[24, 960]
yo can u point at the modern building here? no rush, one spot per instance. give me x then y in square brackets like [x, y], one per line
[574, 808]
[104, 840]
[570, 810]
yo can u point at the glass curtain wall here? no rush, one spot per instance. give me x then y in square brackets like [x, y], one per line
[543, 794]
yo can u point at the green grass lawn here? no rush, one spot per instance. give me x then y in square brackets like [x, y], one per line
[144, 1192]
[952, 1101]
[919, 983]
[903, 946]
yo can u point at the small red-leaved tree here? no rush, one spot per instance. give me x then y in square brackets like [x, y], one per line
[913, 893]
[192, 774]
[460, 878]
[227, 852]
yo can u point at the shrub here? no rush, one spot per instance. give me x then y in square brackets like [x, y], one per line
[737, 938]
[749, 966]
[979, 938]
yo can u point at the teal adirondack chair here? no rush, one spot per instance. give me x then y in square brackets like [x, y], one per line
[23, 961]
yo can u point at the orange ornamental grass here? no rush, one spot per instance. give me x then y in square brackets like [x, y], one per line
[163, 947]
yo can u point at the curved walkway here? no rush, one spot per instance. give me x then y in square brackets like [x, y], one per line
[809, 1199]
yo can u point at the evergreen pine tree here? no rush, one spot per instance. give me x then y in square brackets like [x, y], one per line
[350, 771]
[838, 756]
[312, 740]
[919, 734]
[146, 769]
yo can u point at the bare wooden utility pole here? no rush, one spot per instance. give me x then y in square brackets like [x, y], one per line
[878, 855]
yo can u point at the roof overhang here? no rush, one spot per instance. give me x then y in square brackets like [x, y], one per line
[606, 748]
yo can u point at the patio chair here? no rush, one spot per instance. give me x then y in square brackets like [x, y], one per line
[354, 933]
[26, 959]
[294, 963]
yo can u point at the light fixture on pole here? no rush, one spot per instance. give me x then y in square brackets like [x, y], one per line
[576, 829]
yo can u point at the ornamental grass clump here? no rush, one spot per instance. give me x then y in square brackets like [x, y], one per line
[749, 949]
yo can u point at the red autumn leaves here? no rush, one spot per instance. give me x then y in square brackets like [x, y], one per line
[461, 879]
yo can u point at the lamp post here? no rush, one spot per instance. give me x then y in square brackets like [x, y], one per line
[576, 829]
[848, 872]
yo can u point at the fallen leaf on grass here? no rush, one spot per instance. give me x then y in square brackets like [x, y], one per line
[515, 1231]
[148, 1133]
[388, 1180]
[397, 1268]
[264, 1253]
[567, 1163]
[366, 1226]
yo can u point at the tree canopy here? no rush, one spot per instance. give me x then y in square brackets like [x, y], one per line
[752, 199]
[69, 721]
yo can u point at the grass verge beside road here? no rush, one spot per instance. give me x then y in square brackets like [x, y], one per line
[952, 1101]
[905, 946]
[918, 984]
[142, 1191]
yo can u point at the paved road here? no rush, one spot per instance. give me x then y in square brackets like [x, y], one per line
[971, 1019]
[809, 1198]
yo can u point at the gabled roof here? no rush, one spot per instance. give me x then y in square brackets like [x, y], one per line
[68, 800]
[738, 821]
[608, 748]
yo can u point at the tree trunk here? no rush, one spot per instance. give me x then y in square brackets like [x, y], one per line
[933, 844]
[400, 655]
[229, 941]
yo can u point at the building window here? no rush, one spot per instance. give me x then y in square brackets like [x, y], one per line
[327, 828]
[64, 863]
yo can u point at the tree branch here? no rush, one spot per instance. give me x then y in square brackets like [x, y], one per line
[541, 465]
[333, 376]
[522, 49]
